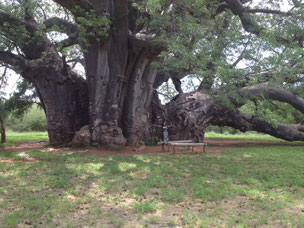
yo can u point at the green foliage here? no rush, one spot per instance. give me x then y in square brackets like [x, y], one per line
[150, 143]
[274, 112]
[33, 120]
[115, 147]
[92, 26]
[21, 100]
[221, 130]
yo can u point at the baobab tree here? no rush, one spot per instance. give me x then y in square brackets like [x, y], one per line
[129, 48]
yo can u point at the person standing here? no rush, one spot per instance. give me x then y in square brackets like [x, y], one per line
[165, 132]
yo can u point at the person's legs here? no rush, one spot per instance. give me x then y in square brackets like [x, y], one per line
[165, 137]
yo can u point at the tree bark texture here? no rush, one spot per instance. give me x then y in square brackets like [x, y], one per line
[2, 130]
[120, 81]
[191, 113]
[64, 95]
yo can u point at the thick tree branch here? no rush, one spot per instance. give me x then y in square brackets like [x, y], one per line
[141, 40]
[32, 45]
[177, 84]
[208, 80]
[76, 60]
[6, 19]
[17, 62]
[73, 5]
[61, 25]
[249, 24]
[243, 122]
[162, 77]
[267, 11]
[274, 93]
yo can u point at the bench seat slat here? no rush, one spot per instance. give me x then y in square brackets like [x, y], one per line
[188, 144]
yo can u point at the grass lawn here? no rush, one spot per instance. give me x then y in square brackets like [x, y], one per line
[13, 138]
[239, 188]
[248, 135]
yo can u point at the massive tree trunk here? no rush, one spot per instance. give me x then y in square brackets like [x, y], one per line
[63, 93]
[120, 98]
[64, 96]
[120, 79]
[66, 106]
[138, 99]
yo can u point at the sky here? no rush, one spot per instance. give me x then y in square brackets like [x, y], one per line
[11, 83]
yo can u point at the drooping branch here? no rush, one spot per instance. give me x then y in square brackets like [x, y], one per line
[273, 93]
[243, 122]
[192, 112]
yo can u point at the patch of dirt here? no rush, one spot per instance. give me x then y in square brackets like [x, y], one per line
[8, 161]
[27, 146]
[214, 146]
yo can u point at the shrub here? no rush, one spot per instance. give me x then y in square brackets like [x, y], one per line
[151, 142]
[33, 120]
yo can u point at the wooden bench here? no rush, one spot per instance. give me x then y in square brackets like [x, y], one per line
[183, 143]
[188, 144]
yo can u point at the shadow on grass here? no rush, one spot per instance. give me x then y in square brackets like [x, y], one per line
[75, 189]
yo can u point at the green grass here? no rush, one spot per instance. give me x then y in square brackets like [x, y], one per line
[15, 138]
[238, 188]
[248, 135]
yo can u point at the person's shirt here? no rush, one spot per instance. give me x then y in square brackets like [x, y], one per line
[165, 128]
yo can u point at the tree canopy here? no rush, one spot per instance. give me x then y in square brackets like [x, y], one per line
[246, 58]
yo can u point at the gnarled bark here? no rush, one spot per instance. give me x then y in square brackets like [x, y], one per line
[191, 113]
[65, 101]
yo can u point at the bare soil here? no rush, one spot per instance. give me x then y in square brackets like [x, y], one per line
[214, 146]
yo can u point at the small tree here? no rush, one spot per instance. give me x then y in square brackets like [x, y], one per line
[17, 105]
[2, 126]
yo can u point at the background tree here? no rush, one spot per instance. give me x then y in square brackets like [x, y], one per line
[2, 99]
[2, 126]
[240, 50]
